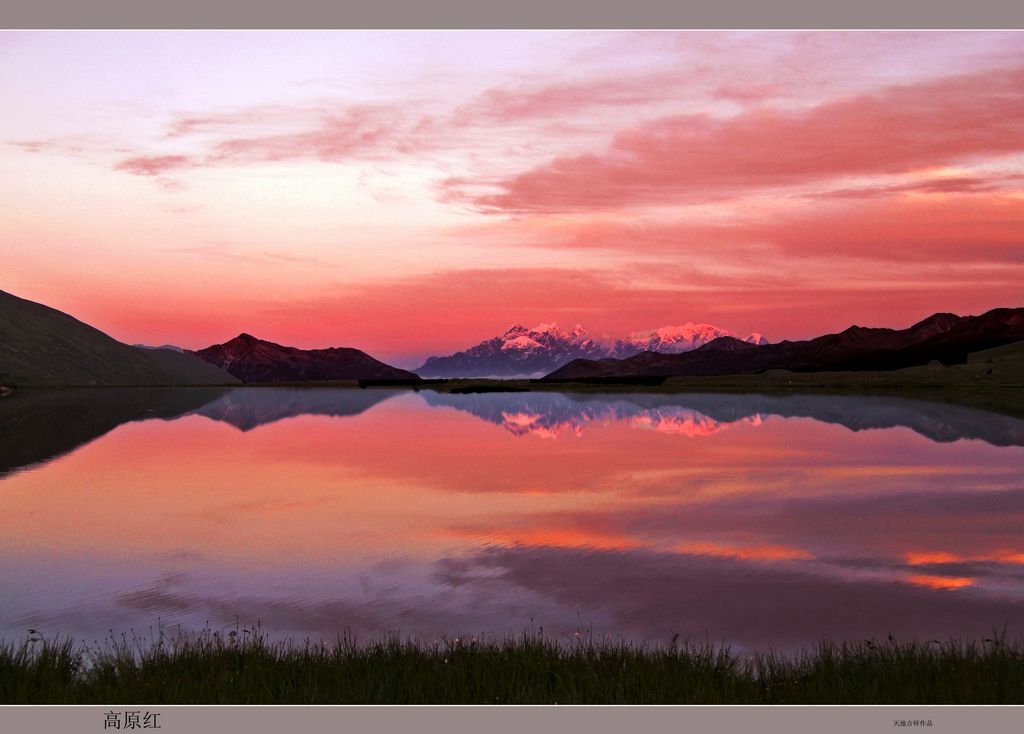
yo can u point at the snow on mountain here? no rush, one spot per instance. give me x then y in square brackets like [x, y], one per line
[532, 352]
[520, 351]
[555, 415]
[669, 339]
[675, 339]
[522, 343]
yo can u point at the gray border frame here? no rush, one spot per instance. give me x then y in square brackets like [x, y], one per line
[517, 719]
[523, 14]
[512, 14]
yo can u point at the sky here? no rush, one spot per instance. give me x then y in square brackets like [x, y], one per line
[413, 193]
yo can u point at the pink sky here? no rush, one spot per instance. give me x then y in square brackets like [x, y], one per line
[413, 193]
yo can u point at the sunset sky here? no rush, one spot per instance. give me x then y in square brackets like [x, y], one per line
[412, 193]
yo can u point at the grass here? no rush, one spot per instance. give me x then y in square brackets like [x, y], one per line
[246, 668]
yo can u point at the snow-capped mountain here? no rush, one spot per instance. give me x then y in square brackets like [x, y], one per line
[518, 352]
[552, 415]
[546, 347]
[674, 339]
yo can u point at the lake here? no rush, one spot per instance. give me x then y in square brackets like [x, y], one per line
[766, 521]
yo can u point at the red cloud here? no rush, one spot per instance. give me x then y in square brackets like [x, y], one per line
[940, 185]
[507, 104]
[355, 131]
[950, 229]
[684, 157]
[911, 225]
[366, 131]
[153, 165]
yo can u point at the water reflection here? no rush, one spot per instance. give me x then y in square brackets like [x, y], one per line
[39, 425]
[249, 409]
[695, 414]
[317, 510]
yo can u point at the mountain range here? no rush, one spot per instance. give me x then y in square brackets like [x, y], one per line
[256, 360]
[942, 337]
[536, 351]
[43, 347]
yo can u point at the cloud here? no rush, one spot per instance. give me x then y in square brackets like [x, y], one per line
[965, 184]
[952, 230]
[32, 146]
[514, 104]
[357, 131]
[170, 184]
[154, 165]
[72, 145]
[944, 220]
[224, 251]
[681, 158]
[255, 136]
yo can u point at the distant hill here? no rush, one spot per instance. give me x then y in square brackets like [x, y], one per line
[43, 347]
[255, 360]
[945, 338]
[172, 347]
[524, 352]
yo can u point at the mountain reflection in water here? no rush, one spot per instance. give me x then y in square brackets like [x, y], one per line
[767, 520]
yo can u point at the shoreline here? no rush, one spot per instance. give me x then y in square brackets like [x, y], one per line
[1003, 399]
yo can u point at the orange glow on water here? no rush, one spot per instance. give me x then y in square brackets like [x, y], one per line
[935, 557]
[946, 583]
[747, 553]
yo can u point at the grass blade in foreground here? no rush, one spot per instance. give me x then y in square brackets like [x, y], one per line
[248, 669]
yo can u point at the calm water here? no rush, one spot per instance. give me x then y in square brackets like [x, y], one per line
[768, 521]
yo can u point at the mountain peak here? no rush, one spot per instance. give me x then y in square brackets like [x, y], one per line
[519, 351]
[669, 339]
[937, 322]
[257, 360]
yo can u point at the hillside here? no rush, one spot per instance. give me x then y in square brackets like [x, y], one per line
[43, 347]
[258, 361]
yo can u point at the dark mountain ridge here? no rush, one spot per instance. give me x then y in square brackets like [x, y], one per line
[255, 360]
[43, 347]
[943, 337]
